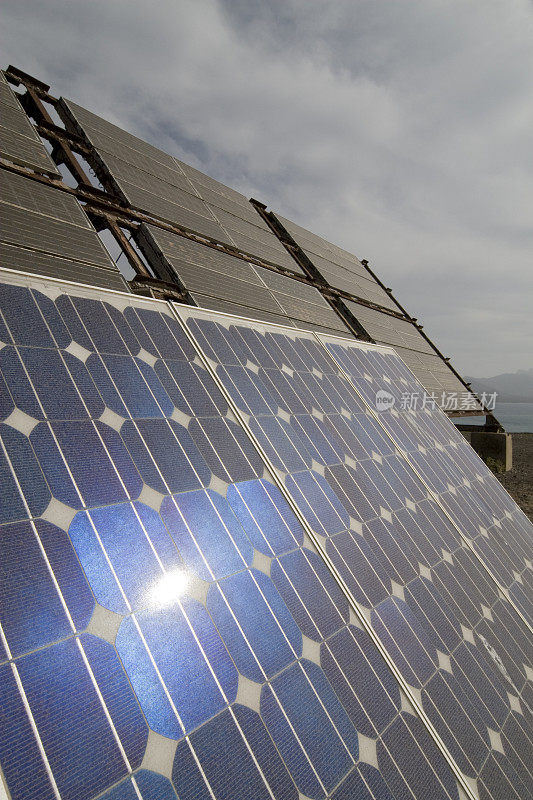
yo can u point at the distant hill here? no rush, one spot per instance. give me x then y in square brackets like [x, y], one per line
[512, 387]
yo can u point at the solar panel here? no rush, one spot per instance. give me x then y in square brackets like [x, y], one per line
[19, 142]
[475, 501]
[168, 628]
[153, 181]
[344, 271]
[394, 533]
[218, 280]
[45, 230]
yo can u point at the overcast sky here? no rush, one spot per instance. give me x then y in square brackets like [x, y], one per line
[401, 130]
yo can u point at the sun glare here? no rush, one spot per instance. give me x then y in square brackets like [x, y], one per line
[169, 588]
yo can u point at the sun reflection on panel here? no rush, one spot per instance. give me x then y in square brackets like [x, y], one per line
[169, 588]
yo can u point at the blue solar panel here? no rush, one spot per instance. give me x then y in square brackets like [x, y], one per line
[167, 628]
[382, 525]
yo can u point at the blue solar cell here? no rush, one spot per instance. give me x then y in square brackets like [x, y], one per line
[130, 387]
[207, 534]
[310, 728]
[12, 506]
[353, 439]
[58, 395]
[265, 516]
[478, 675]
[178, 666]
[363, 783]
[101, 328]
[438, 620]
[226, 449]
[20, 392]
[122, 706]
[457, 721]
[154, 786]
[123, 791]
[32, 614]
[231, 758]
[516, 740]
[16, 737]
[321, 444]
[190, 388]
[361, 679]
[410, 770]
[362, 572]
[318, 503]
[124, 550]
[20, 477]
[159, 333]
[290, 393]
[23, 318]
[72, 322]
[499, 779]
[282, 444]
[390, 550]
[345, 482]
[244, 391]
[406, 641]
[258, 630]
[251, 344]
[70, 718]
[6, 400]
[70, 471]
[310, 593]
[165, 455]
[215, 341]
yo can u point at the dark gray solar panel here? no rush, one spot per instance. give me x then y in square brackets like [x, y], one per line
[25, 260]
[208, 272]
[121, 141]
[39, 219]
[154, 182]
[18, 190]
[19, 142]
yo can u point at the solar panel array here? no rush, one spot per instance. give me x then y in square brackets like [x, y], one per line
[344, 271]
[19, 141]
[222, 282]
[168, 628]
[421, 550]
[149, 179]
[145, 178]
[152, 181]
[225, 575]
[46, 231]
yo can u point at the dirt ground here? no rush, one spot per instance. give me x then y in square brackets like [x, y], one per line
[519, 480]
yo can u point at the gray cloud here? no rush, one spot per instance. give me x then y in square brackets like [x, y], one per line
[400, 130]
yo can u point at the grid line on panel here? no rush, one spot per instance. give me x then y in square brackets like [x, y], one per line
[406, 456]
[182, 315]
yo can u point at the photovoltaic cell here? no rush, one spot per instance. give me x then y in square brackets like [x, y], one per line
[145, 599]
[384, 527]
